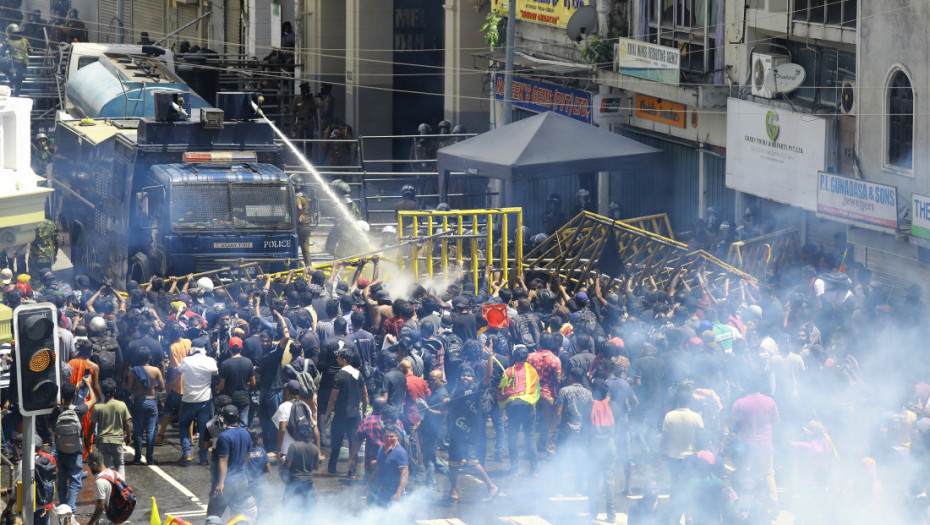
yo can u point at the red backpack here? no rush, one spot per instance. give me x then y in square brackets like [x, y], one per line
[122, 499]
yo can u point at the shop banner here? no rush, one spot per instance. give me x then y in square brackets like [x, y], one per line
[776, 154]
[609, 109]
[541, 97]
[857, 200]
[920, 216]
[553, 13]
[649, 61]
[651, 108]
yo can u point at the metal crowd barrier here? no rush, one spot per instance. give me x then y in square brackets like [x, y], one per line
[591, 242]
[473, 233]
[757, 255]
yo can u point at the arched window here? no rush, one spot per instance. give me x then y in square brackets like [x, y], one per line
[900, 121]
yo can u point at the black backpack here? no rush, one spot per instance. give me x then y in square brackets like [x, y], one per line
[300, 422]
[525, 330]
[453, 344]
[46, 474]
[308, 376]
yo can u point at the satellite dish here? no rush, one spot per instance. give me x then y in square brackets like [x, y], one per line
[784, 78]
[582, 23]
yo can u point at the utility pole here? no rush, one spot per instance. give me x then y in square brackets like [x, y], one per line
[508, 74]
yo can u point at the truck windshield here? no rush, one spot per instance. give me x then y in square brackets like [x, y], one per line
[231, 206]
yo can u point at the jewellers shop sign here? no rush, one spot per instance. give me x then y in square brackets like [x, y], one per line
[541, 97]
[775, 154]
[857, 200]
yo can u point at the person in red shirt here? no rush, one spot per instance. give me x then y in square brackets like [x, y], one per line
[546, 362]
[417, 388]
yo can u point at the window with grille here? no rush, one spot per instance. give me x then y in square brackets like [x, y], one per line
[688, 25]
[826, 12]
[235, 206]
[900, 122]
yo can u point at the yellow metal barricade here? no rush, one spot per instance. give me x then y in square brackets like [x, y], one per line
[615, 248]
[471, 240]
[657, 224]
[758, 254]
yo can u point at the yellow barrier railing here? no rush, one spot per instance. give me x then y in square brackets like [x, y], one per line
[617, 249]
[756, 255]
[412, 225]
[657, 224]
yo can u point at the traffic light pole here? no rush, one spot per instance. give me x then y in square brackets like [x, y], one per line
[29, 465]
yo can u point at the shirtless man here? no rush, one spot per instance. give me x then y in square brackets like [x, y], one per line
[145, 381]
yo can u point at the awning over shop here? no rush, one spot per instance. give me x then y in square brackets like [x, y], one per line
[543, 146]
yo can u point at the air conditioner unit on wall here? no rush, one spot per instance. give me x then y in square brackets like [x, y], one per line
[848, 96]
[762, 64]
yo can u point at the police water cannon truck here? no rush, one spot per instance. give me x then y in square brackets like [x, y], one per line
[187, 190]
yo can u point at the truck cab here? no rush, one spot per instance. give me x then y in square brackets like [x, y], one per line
[214, 209]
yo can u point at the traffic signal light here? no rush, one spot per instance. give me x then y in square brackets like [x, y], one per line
[38, 375]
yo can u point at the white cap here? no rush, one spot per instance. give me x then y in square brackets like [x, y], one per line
[6, 276]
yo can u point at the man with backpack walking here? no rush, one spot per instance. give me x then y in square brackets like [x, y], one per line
[112, 496]
[69, 441]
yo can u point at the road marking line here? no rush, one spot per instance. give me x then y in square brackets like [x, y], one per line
[450, 521]
[188, 514]
[175, 483]
[524, 520]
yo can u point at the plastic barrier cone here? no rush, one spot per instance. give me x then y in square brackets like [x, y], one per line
[156, 517]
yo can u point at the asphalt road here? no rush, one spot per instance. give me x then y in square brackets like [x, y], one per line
[547, 498]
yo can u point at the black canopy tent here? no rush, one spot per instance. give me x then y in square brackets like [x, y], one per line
[539, 147]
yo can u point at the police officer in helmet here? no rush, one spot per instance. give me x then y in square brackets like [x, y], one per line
[423, 150]
[408, 200]
[553, 218]
[15, 57]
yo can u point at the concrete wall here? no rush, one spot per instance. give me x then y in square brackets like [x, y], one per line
[369, 55]
[889, 39]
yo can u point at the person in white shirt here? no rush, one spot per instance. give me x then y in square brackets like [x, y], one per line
[292, 392]
[198, 370]
[103, 487]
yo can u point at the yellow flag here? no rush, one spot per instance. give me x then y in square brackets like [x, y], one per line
[156, 518]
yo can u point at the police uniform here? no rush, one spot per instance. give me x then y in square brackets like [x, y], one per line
[44, 249]
[340, 153]
[303, 226]
[41, 158]
[18, 49]
[305, 118]
[424, 152]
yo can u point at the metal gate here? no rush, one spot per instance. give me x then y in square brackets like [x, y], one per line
[482, 238]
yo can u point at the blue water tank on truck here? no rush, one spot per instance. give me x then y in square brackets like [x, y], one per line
[186, 191]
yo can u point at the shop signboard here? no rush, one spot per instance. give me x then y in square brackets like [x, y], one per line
[649, 61]
[553, 13]
[609, 109]
[857, 200]
[920, 216]
[774, 153]
[671, 113]
[541, 97]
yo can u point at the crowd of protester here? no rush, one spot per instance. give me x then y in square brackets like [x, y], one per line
[738, 399]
